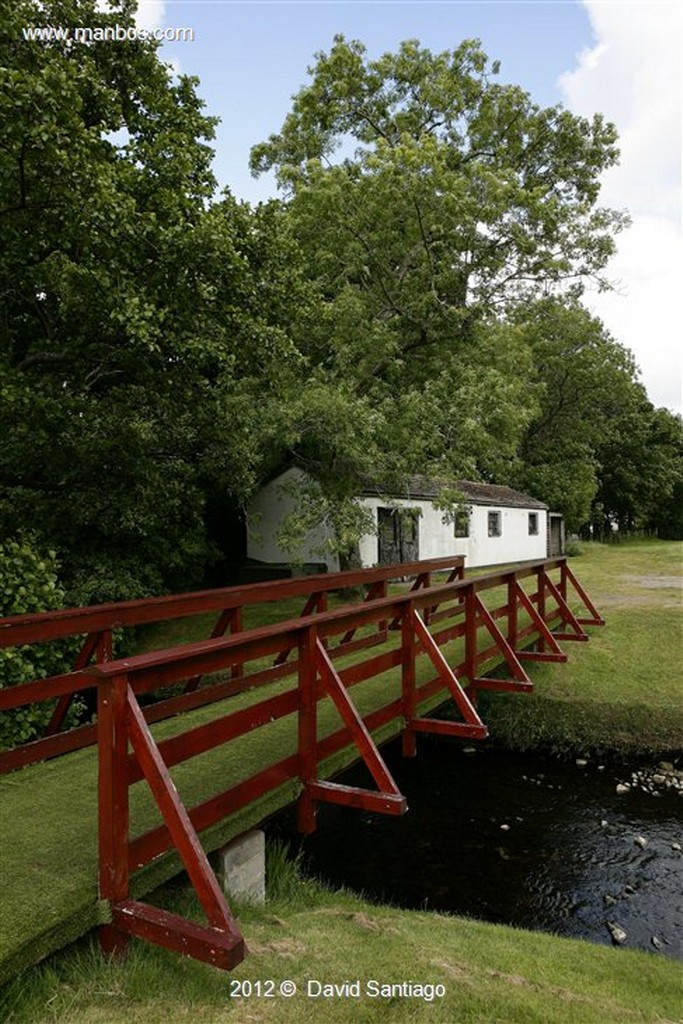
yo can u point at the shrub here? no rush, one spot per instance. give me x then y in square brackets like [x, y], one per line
[29, 583]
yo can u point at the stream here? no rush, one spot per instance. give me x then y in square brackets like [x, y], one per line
[515, 839]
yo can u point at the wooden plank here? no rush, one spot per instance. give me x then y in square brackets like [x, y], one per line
[596, 618]
[112, 804]
[211, 734]
[566, 613]
[503, 646]
[177, 819]
[447, 675]
[362, 799]
[353, 721]
[27, 629]
[149, 845]
[459, 730]
[307, 731]
[219, 947]
[556, 652]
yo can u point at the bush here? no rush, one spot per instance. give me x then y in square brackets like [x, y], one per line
[29, 583]
[573, 549]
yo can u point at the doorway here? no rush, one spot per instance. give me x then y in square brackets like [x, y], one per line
[398, 535]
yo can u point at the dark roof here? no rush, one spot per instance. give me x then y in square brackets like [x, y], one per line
[476, 493]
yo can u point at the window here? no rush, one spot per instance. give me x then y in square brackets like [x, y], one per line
[494, 524]
[533, 524]
[462, 523]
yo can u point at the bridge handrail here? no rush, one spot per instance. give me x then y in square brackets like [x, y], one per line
[17, 630]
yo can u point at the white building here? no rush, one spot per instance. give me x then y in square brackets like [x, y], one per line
[498, 525]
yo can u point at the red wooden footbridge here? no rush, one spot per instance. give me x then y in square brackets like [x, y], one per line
[412, 649]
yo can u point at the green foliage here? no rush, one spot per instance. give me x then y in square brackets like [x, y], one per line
[587, 451]
[28, 583]
[460, 197]
[144, 335]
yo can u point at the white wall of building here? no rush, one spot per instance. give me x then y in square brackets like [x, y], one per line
[265, 516]
[437, 539]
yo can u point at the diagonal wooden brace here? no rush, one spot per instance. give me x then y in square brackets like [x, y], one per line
[183, 834]
[352, 796]
[520, 681]
[229, 618]
[95, 643]
[423, 580]
[565, 611]
[376, 590]
[556, 653]
[596, 619]
[472, 727]
[316, 602]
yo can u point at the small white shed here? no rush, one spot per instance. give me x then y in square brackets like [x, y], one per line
[498, 525]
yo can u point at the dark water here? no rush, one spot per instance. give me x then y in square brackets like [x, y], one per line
[569, 842]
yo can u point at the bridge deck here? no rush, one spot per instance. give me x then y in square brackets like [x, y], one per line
[48, 826]
[49, 856]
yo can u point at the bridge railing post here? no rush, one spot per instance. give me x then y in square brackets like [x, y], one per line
[471, 616]
[512, 611]
[113, 811]
[542, 609]
[307, 728]
[408, 649]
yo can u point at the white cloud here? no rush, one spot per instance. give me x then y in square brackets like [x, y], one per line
[633, 76]
[150, 13]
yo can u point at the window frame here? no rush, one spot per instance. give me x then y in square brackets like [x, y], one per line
[461, 524]
[495, 523]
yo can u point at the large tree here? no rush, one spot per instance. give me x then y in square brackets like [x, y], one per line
[144, 334]
[427, 198]
[596, 450]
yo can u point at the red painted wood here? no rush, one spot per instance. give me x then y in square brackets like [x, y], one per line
[376, 590]
[222, 948]
[566, 612]
[212, 734]
[90, 647]
[27, 629]
[353, 721]
[503, 646]
[50, 746]
[307, 728]
[460, 730]
[177, 820]
[408, 652]
[447, 675]
[596, 619]
[511, 685]
[113, 814]
[556, 652]
[149, 845]
[43, 689]
[363, 799]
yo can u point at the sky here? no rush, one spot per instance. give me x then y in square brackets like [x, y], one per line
[621, 58]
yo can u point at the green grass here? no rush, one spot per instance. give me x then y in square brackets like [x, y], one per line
[490, 974]
[622, 691]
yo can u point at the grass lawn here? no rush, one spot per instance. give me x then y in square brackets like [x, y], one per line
[622, 692]
[306, 934]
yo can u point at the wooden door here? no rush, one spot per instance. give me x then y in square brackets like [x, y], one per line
[398, 535]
